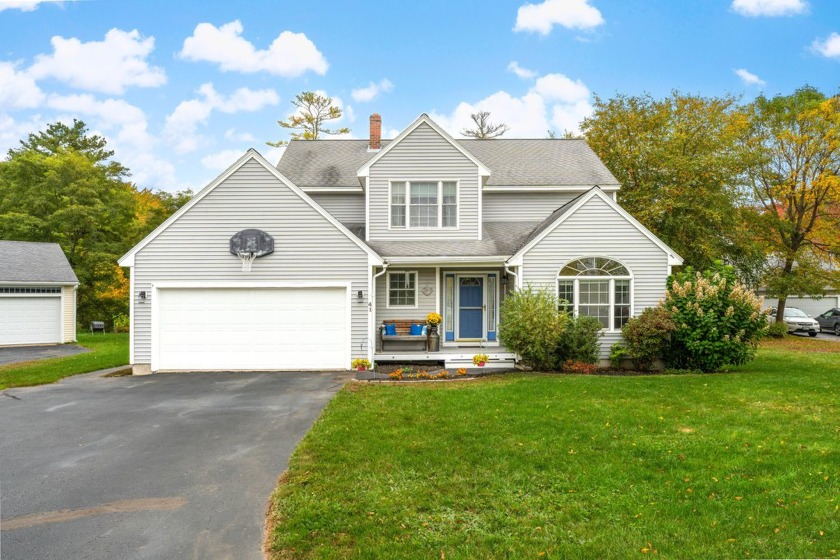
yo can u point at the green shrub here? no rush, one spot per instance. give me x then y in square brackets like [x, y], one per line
[579, 341]
[648, 336]
[719, 321]
[122, 323]
[531, 326]
[777, 330]
[618, 352]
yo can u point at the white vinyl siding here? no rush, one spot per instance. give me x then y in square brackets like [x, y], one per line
[522, 206]
[307, 249]
[69, 311]
[346, 208]
[423, 155]
[597, 229]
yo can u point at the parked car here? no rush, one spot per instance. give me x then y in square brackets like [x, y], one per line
[797, 321]
[830, 321]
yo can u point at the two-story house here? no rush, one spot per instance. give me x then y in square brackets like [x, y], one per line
[297, 266]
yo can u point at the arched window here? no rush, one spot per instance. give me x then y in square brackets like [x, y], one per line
[598, 287]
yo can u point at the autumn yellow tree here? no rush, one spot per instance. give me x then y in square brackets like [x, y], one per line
[679, 161]
[793, 178]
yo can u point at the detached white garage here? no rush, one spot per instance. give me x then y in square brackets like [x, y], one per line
[249, 328]
[37, 294]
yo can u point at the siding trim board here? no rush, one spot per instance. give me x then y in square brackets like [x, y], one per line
[364, 171]
[251, 154]
[549, 188]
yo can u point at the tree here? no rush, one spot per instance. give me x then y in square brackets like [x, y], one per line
[313, 110]
[484, 129]
[678, 161]
[62, 186]
[793, 180]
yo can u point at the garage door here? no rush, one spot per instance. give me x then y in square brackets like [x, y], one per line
[30, 320]
[252, 329]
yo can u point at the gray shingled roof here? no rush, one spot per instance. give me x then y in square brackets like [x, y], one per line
[23, 261]
[498, 239]
[512, 162]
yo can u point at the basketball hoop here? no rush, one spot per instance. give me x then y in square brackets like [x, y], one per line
[247, 259]
[250, 244]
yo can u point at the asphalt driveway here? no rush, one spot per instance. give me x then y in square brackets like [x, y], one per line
[163, 466]
[15, 354]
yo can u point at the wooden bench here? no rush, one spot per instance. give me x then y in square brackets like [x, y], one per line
[403, 327]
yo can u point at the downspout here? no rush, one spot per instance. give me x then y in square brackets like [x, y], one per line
[371, 300]
[509, 271]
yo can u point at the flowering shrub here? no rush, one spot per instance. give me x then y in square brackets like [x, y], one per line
[648, 336]
[396, 375]
[718, 321]
[433, 319]
[461, 371]
[443, 374]
[573, 366]
[530, 325]
[423, 375]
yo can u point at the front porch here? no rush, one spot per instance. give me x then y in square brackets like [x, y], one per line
[468, 297]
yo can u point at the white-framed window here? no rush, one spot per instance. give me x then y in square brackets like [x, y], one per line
[402, 289]
[423, 204]
[597, 287]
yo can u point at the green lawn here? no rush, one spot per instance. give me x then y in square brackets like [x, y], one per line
[109, 350]
[733, 465]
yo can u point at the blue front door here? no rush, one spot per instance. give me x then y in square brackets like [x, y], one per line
[470, 307]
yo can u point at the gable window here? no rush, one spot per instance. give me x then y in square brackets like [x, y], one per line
[596, 287]
[402, 289]
[424, 204]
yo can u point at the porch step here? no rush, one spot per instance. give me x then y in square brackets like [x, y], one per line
[494, 361]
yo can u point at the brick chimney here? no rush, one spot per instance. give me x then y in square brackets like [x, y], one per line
[375, 133]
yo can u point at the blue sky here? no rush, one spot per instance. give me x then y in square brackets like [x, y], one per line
[181, 88]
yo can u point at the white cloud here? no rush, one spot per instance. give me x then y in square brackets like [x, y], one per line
[289, 55]
[369, 93]
[221, 160]
[110, 113]
[27, 5]
[756, 8]
[233, 136]
[555, 102]
[108, 66]
[829, 48]
[273, 155]
[390, 133]
[523, 73]
[557, 87]
[571, 14]
[182, 124]
[17, 89]
[749, 78]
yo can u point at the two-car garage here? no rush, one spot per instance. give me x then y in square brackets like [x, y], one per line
[250, 328]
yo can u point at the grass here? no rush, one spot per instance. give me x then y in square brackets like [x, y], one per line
[734, 465]
[106, 351]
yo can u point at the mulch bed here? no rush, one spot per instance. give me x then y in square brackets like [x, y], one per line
[383, 370]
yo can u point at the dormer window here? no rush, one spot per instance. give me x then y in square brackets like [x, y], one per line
[424, 204]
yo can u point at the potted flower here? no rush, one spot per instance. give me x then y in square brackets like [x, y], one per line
[361, 364]
[433, 320]
[480, 359]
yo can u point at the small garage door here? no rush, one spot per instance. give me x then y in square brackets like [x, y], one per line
[252, 329]
[30, 320]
